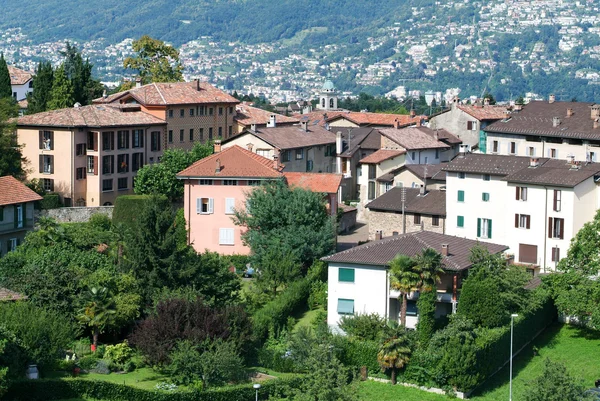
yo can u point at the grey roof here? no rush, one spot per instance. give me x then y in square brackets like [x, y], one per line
[536, 119]
[432, 203]
[380, 253]
[359, 138]
[489, 164]
[292, 136]
[556, 173]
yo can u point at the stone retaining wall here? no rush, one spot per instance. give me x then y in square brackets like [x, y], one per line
[76, 214]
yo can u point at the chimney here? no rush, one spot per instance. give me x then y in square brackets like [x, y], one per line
[218, 167]
[396, 124]
[413, 112]
[569, 112]
[551, 99]
[486, 101]
[596, 123]
[422, 190]
[138, 82]
[445, 249]
[304, 125]
[253, 127]
[272, 121]
[555, 121]
[104, 94]
[418, 123]
[534, 162]
[249, 146]
[507, 114]
[217, 146]
[436, 136]
[595, 111]
[338, 142]
[197, 81]
[276, 161]
[378, 235]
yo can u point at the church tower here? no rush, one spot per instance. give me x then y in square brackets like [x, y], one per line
[328, 98]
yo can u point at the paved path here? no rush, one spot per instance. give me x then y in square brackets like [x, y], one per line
[351, 239]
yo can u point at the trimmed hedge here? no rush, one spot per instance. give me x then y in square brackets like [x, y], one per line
[55, 389]
[358, 353]
[127, 207]
[50, 201]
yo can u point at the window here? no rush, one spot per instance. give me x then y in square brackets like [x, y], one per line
[1, 213]
[528, 253]
[285, 156]
[229, 205]
[485, 197]
[191, 112]
[557, 200]
[299, 154]
[182, 113]
[155, 141]
[191, 134]
[181, 134]
[91, 165]
[122, 183]
[411, 308]
[170, 113]
[417, 219]
[80, 173]
[461, 176]
[137, 139]
[553, 153]
[461, 196]
[471, 126]
[460, 221]
[531, 151]
[345, 306]
[230, 109]
[47, 140]
[12, 244]
[210, 111]
[372, 171]
[170, 137]
[371, 194]
[230, 130]
[201, 130]
[495, 146]
[123, 163]
[484, 228]
[92, 144]
[522, 221]
[19, 216]
[108, 140]
[107, 185]
[210, 133]
[556, 228]
[555, 254]
[263, 152]
[254, 183]
[345, 275]
[108, 164]
[413, 156]
[48, 184]
[202, 111]
[592, 156]
[205, 182]
[512, 148]
[230, 182]
[309, 165]
[220, 111]
[226, 236]
[122, 139]
[80, 149]
[204, 205]
[137, 161]
[435, 221]
[521, 194]
[220, 132]
[437, 154]
[47, 164]
[486, 177]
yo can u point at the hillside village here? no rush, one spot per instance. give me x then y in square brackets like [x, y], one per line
[208, 246]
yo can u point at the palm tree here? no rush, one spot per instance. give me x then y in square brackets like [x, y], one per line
[98, 311]
[404, 278]
[429, 267]
[394, 354]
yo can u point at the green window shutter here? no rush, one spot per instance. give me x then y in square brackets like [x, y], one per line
[489, 233]
[460, 221]
[485, 196]
[16, 221]
[1, 213]
[478, 228]
[461, 196]
[345, 306]
[346, 275]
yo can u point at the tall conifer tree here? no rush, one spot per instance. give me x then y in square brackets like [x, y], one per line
[62, 91]
[42, 88]
[5, 87]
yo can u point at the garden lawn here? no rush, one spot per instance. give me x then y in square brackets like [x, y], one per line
[376, 391]
[307, 318]
[145, 378]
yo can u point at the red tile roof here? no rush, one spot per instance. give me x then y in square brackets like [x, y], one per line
[315, 182]
[19, 76]
[485, 112]
[13, 191]
[172, 93]
[248, 115]
[235, 162]
[91, 116]
[413, 138]
[294, 136]
[318, 117]
[381, 155]
[8, 295]
[376, 119]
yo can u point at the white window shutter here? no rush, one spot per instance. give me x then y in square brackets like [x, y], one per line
[230, 233]
[222, 236]
[211, 204]
[198, 205]
[229, 205]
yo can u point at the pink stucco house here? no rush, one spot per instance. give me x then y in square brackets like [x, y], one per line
[217, 185]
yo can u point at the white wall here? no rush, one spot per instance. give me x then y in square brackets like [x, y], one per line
[21, 91]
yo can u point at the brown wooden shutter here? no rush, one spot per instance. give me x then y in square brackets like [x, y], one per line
[517, 193]
[52, 185]
[95, 165]
[549, 227]
[516, 221]
[51, 164]
[41, 140]
[555, 200]
[95, 139]
[51, 140]
[528, 221]
[41, 163]
[562, 228]
[469, 125]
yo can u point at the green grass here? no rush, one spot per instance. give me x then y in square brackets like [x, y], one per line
[306, 319]
[375, 391]
[301, 35]
[144, 378]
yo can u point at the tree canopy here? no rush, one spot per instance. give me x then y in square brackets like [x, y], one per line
[5, 85]
[156, 61]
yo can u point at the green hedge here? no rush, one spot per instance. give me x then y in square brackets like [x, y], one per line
[50, 201]
[55, 389]
[357, 353]
[274, 315]
[127, 208]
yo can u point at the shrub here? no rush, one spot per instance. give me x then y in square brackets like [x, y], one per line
[356, 353]
[363, 326]
[82, 347]
[88, 362]
[426, 323]
[239, 262]
[274, 354]
[50, 201]
[127, 208]
[318, 295]
[102, 367]
[119, 354]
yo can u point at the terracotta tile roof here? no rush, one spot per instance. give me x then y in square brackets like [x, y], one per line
[376, 119]
[432, 203]
[19, 76]
[8, 295]
[235, 162]
[315, 182]
[318, 117]
[414, 138]
[484, 113]
[293, 136]
[536, 118]
[381, 155]
[95, 116]
[380, 253]
[172, 93]
[13, 191]
[248, 115]
[479, 163]
[23, 104]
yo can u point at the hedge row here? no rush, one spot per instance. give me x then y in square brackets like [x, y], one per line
[358, 353]
[55, 389]
[127, 207]
[274, 315]
[50, 201]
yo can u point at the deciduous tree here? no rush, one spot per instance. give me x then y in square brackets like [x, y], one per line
[555, 384]
[155, 61]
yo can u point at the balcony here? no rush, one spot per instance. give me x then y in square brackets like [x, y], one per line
[10, 227]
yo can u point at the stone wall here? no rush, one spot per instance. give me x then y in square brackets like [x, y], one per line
[76, 214]
[390, 222]
[348, 220]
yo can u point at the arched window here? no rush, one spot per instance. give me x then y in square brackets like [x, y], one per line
[323, 102]
[331, 103]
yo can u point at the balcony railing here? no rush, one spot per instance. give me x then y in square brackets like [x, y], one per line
[9, 227]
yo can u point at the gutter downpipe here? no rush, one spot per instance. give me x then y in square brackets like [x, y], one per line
[545, 228]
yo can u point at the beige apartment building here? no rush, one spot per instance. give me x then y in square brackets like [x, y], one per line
[89, 155]
[193, 111]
